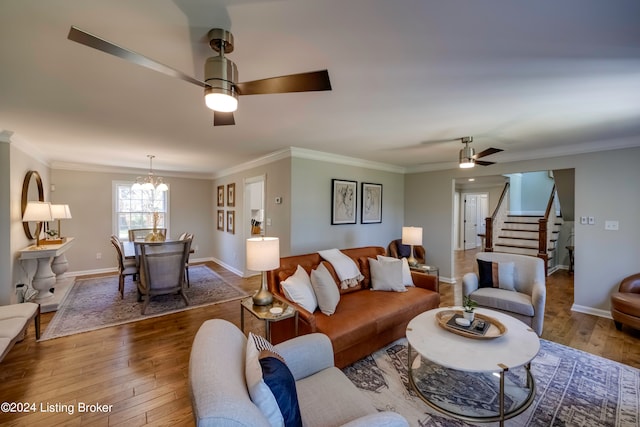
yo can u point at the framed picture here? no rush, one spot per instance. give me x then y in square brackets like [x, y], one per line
[343, 201]
[220, 219]
[231, 194]
[371, 210]
[220, 195]
[231, 222]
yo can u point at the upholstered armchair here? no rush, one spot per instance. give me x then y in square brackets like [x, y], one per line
[162, 266]
[625, 304]
[510, 283]
[397, 250]
[326, 397]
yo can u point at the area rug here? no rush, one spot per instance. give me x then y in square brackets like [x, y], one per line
[95, 303]
[573, 388]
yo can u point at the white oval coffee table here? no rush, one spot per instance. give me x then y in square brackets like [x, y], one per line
[472, 361]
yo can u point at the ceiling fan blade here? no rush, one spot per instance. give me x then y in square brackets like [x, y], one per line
[223, 119]
[303, 82]
[488, 152]
[483, 163]
[90, 40]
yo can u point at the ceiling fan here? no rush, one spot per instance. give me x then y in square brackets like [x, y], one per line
[468, 156]
[221, 86]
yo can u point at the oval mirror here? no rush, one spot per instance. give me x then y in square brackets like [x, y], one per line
[32, 190]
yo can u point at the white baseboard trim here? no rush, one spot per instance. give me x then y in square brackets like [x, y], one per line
[449, 280]
[590, 310]
[88, 272]
[229, 267]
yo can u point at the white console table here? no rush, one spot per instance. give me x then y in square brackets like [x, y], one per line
[50, 265]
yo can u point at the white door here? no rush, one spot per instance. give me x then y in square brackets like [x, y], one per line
[470, 221]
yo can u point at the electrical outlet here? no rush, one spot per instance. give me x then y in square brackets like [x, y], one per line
[99, 255]
[592, 220]
[583, 220]
[611, 225]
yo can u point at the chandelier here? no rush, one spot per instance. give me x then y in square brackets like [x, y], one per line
[150, 182]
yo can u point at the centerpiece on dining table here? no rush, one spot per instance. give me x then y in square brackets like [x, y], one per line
[155, 235]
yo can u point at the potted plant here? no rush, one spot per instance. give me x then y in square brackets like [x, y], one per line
[468, 305]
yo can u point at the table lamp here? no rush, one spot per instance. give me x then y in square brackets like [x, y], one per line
[412, 236]
[38, 212]
[263, 254]
[60, 212]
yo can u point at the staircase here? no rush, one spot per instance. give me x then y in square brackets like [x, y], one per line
[520, 234]
[533, 235]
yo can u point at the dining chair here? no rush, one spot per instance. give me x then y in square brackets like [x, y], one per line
[126, 267]
[138, 234]
[162, 267]
[187, 236]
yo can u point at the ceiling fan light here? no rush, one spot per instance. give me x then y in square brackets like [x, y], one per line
[220, 101]
[466, 157]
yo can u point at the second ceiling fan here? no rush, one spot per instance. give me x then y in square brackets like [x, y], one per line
[468, 157]
[220, 74]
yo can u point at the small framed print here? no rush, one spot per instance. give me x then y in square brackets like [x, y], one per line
[231, 194]
[231, 222]
[220, 219]
[220, 196]
[343, 201]
[371, 211]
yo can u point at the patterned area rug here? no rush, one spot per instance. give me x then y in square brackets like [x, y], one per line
[573, 388]
[95, 303]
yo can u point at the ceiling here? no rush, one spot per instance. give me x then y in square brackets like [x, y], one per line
[537, 79]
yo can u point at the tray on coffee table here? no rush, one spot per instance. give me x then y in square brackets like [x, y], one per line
[494, 330]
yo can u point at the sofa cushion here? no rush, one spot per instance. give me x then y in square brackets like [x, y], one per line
[271, 385]
[329, 398]
[407, 280]
[496, 275]
[502, 299]
[327, 293]
[297, 288]
[386, 275]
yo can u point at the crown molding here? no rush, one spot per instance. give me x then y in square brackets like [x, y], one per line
[85, 167]
[304, 153]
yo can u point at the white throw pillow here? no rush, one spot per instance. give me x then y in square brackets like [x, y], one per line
[297, 288]
[386, 275]
[506, 273]
[407, 280]
[325, 288]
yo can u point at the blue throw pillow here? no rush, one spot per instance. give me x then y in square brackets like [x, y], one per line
[279, 379]
[404, 251]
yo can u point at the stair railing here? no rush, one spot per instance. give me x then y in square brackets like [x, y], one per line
[544, 225]
[494, 223]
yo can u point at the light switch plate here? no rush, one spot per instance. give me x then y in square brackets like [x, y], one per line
[583, 220]
[611, 225]
[592, 220]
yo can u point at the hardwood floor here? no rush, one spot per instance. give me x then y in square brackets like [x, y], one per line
[141, 369]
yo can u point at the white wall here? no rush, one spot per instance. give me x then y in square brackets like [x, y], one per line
[311, 189]
[606, 187]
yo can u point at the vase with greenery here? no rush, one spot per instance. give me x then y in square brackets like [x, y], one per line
[468, 306]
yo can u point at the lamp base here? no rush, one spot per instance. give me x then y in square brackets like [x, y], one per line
[263, 296]
[412, 259]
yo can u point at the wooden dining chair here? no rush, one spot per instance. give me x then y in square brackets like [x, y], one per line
[162, 267]
[126, 267]
[187, 236]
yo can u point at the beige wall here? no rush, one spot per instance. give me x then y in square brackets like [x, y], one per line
[15, 167]
[229, 249]
[89, 196]
[605, 187]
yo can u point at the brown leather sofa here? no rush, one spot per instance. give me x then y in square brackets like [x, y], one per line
[398, 250]
[625, 304]
[364, 320]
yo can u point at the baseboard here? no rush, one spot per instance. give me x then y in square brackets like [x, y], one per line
[230, 268]
[88, 272]
[590, 310]
[449, 280]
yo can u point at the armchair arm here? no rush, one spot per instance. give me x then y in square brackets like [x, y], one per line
[538, 300]
[630, 285]
[469, 283]
[380, 419]
[307, 354]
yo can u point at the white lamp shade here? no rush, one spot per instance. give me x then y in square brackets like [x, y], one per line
[412, 236]
[263, 253]
[37, 211]
[60, 212]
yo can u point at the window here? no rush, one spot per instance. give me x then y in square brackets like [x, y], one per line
[135, 209]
